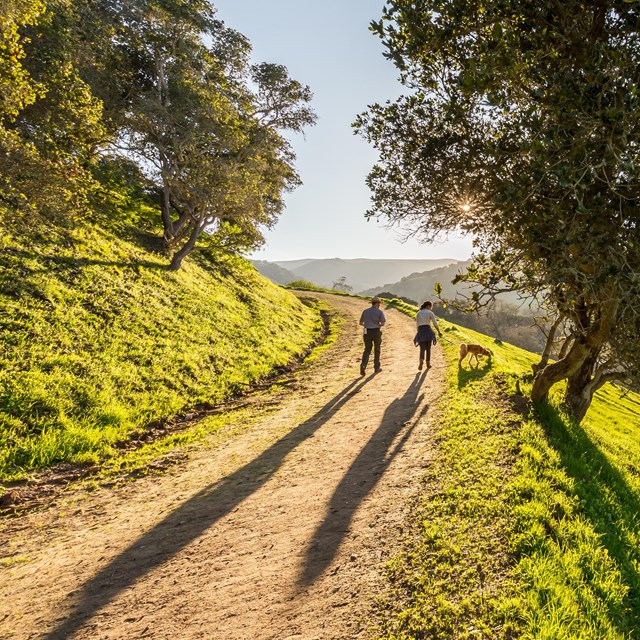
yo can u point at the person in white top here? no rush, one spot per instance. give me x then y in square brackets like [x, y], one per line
[426, 336]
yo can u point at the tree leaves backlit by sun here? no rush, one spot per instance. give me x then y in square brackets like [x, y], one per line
[165, 85]
[521, 126]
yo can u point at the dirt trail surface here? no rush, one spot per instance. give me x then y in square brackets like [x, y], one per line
[280, 531]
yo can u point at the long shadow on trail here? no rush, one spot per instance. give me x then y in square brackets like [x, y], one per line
[191, 519]
[360, 479]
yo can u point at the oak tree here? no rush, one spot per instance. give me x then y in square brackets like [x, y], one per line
[202, 121]
[50, 122]
[521, 126]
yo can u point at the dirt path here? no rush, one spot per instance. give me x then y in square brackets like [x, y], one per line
[279, 532]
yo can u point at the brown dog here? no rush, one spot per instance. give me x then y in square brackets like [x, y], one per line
[474, 350]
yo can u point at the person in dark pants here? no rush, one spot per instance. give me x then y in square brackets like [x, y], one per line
[372, 319]
[425, 336]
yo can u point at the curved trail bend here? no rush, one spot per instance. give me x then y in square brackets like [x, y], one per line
[279, 532]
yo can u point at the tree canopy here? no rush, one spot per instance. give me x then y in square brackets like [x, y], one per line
[521, 126]
[162, 83]
[49, 120]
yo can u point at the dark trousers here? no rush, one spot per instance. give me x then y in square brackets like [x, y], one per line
[372, 340]
[425, 348]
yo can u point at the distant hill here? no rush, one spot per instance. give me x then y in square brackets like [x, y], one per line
[292, 265]
[509, 320]
[360, 273]
[420, 286]
[274, 272]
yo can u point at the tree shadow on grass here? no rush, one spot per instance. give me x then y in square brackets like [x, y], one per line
[69, 262]
[361, 478]
[611, 506]
[465, 376]
[191, 519]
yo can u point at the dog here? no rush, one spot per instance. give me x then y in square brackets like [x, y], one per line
[473, 350]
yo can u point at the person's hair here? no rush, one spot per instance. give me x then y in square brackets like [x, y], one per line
[426, 304]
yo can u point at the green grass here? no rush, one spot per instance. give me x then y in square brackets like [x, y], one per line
[528, 526]
[99, 339]
[232, 421]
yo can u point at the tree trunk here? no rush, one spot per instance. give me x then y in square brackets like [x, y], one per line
[557, 371]
[179, 230]
[165, 212]
[580, 389]
[187, 247]
[546, 354]
[577, 362]
[173, 231]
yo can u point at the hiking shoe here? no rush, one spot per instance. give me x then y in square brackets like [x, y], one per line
[362, 371]
[420, 365]
[379, 369]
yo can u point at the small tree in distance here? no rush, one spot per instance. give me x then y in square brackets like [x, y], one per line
[341, 284]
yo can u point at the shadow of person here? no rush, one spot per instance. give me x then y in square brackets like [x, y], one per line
[190, 520]
[360, 479]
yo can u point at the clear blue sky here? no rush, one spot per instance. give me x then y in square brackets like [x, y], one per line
[327, 45]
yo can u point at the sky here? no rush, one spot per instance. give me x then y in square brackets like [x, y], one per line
[327, 45]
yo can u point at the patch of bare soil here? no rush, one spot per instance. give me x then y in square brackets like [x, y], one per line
[280, 532]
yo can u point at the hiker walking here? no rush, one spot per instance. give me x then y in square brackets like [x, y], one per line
[372, 319]
[426, 336]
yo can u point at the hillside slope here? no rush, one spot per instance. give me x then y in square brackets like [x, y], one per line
[277, 527]
[98, 338]
[491, 517]
[527, 527]
[419, 286]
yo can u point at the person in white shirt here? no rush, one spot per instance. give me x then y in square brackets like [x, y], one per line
[426, 336]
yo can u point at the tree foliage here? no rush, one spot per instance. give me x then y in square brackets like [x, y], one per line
[202, 121]
[522, 127]
[50, 122]
[162, 83]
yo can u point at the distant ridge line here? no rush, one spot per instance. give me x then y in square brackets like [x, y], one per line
[358, 273]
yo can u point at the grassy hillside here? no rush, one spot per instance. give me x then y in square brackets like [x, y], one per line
[98, 338]
[528, 526]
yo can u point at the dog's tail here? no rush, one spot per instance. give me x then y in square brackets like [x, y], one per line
[462, 352]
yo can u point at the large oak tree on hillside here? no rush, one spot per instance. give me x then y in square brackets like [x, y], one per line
[204, 123]
[522, 127]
